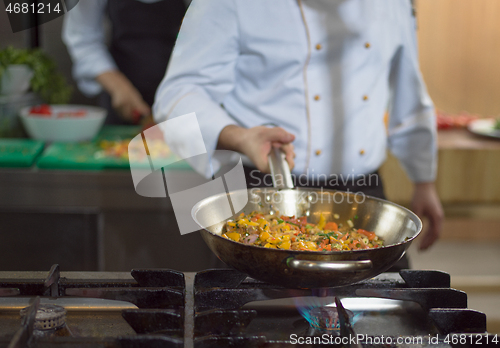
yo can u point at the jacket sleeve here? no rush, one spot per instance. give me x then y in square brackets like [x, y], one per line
[83, 34]
[199, 76]
[412, 121]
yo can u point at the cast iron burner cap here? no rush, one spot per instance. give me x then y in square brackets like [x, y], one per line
[326, 318]
[48, 317]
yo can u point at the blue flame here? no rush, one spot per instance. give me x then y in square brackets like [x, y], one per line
[306, 305]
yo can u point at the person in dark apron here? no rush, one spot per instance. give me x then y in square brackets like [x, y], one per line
[126, 70]
[143, 36]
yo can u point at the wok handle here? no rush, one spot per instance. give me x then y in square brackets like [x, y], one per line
[342, 266]
[280, 171]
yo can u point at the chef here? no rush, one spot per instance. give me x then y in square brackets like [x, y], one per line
[314, 77]
[128, 72]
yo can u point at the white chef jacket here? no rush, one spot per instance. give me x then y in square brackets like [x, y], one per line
[84, 34]
[324, 70]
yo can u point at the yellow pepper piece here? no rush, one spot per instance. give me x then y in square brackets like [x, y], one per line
[333, 240]
[232, 224]
[311, 245]
[285, 245]
[268, 245]
[285, 237]
[274, 240]
[264, 236]
[253, 223]
[234, 236]
[322, 222]
[242, 222]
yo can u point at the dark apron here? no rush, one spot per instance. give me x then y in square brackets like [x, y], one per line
[373, 187]
[143, 36]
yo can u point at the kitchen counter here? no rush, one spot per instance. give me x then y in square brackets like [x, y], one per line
[94, 220]
[108, 189]
[462, 139]
[465, 160]
[468, 171]
[468, 184]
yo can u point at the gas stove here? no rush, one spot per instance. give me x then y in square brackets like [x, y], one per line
[224, 308]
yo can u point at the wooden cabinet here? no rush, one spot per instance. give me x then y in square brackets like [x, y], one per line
[459, 54]
[468, 171]
[468, 184]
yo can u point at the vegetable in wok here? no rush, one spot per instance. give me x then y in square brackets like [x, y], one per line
[296, 233]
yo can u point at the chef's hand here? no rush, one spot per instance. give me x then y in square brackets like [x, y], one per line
[125, 98]
[425, 203]
[256, 143]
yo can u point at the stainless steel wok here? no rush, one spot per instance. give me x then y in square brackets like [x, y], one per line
[398, 227]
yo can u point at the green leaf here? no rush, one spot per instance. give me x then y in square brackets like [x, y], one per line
[47, 82]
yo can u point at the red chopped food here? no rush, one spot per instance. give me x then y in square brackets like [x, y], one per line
[448, 121]
[45, 110]
[41, 110]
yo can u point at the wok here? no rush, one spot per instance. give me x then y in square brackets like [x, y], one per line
[397, 226]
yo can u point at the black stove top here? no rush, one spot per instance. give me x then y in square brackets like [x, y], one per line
[225, 308]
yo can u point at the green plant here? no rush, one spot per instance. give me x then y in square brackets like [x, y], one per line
[47, 82]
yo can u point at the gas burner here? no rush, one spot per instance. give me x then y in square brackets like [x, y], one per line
[326, 318]
[225, 308]
[48, 317]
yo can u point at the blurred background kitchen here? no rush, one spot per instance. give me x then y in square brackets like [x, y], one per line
[85, 215]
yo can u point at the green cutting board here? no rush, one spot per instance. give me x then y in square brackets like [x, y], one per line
[86, 155]
[19, 153]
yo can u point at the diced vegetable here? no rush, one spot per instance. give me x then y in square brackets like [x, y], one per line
[41, 110]
[234, 236]
[322, 221]
[331, 226]
[285, 245]
[370, 235]
[292, 233]
[264, 236]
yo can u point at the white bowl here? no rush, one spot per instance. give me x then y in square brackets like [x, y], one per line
[66, 129]
[16, 79]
